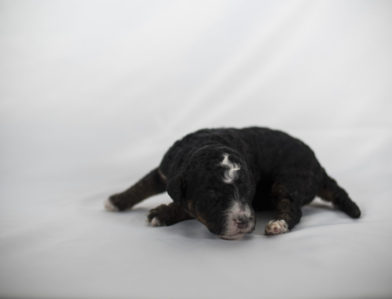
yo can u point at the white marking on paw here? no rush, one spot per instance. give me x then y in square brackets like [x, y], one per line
[110, 206]
[155, 222]
[231, 173]
[275, 227]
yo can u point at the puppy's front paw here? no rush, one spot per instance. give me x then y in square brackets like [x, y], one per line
[156, 217]
[155, 222]
[275, 227]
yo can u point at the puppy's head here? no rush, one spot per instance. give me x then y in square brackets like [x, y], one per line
[215, 188]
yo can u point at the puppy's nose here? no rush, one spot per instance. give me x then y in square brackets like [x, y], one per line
[242, 221]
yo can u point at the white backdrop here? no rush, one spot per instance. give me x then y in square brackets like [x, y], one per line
[92, 93]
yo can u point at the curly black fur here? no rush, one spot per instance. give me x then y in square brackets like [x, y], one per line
[276, 172]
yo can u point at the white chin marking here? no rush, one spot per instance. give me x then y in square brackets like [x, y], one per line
[109, 206]
[232, 237]
[231, 169]
[275, 227]
[155, 222]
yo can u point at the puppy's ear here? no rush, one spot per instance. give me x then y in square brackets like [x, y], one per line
[176, 188]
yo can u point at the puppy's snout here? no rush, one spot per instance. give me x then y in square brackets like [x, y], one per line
[242, 221]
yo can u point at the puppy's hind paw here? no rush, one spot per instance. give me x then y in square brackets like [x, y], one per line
[275, 227]
[109, 206]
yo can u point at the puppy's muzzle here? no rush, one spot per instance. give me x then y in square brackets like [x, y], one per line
[244, 222]
[240, 220]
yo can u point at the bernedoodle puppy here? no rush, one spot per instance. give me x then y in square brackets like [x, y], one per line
[222, 176]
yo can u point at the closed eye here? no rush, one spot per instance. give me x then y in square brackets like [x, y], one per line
[212, 193]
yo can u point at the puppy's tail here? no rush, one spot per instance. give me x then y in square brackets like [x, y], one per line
[151, 184]
[331, 191]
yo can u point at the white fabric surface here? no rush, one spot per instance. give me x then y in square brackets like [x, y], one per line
[93, 93]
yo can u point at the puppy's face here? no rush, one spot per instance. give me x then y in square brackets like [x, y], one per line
[215, 189]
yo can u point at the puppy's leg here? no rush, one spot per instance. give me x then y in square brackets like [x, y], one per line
[332, 192]
[288, 214]
[167, 215]
[151, 184]
[289, 194]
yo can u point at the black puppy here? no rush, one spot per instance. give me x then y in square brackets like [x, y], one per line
[221, 176]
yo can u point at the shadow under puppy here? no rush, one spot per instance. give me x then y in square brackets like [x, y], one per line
[222, 176]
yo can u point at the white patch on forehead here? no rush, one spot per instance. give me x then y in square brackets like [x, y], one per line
[231, 169]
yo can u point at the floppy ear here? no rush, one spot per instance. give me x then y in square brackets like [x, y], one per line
[176, 188]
